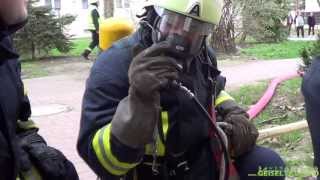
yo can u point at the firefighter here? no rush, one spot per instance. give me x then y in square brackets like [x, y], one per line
[310, 90]
[24, 154]
[150, 104]
[93, 27]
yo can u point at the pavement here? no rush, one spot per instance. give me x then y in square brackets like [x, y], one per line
[305, 38]
[65, 91]
[253, 71]
[60, 130]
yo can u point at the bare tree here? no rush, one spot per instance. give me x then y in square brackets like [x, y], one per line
[223, 37]
[108, 8]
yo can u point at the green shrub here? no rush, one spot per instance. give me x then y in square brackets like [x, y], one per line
[43, 32]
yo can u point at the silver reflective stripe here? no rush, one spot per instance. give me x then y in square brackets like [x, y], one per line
[104, 154]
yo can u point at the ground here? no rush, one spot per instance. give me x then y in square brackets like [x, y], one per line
[286, 106]
[64, 84]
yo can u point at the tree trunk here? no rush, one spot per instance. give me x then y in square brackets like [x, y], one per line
[223, 37]
[108, 8]
[33, 51]
[243, 37]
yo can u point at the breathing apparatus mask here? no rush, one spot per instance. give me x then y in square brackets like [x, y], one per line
[186, 34]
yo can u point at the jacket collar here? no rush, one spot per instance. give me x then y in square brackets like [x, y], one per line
[145, 35]
[7, 50]
[7, 30]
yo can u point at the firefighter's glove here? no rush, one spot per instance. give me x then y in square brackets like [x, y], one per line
[137, 114]
[151, 71]
[49, 161]
[242, 133]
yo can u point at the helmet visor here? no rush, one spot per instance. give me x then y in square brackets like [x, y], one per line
[185, 32]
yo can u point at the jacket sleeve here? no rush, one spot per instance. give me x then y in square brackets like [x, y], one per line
[223, 101]
[106, 86]
[95, 18]
[24, 122]
[25, 108]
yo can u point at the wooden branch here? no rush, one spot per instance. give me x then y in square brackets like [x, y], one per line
[276, 131]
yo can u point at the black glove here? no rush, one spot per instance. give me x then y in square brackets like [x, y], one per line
[49, 161]
[151, 71]
[242, 133]
[137, 114]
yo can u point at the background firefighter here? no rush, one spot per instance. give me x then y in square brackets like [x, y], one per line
[93, 27]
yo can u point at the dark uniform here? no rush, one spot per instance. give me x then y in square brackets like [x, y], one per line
[93, 28]
[13, 105]
[311, 23]
[311, 91]
[21, 148]
[183, 149]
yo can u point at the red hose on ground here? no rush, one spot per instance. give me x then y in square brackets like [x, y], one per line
[265, 99]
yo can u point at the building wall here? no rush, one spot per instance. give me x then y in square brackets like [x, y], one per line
[123, 8]
[312, 6]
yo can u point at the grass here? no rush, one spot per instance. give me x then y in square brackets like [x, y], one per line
[79, 45]
[283, 104]
[32, 70]
[295, 147]
[282, 50]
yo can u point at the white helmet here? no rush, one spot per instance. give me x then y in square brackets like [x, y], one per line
[93, 1]
[147, 3]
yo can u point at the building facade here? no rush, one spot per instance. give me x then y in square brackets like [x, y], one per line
[79, 8]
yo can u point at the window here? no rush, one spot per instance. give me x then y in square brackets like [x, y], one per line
[48, 3]
[119, 3]
[126, 3]
[122, 3]
[57, 4]
[85, 4]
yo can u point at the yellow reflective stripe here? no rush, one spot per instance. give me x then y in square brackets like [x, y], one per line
[160, 146]
[165, 123]
[223, 96]
[102, 148]
[32, 174]
[90, 20]
[25, 125]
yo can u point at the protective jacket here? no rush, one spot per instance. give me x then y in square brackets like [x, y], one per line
[93, 18]
[182, 149]
[310, 89]
[23, 153]
[14, 105]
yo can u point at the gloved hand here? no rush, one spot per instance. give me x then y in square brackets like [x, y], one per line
[49, 161]
[151, 70]
[136, 117]
[242, 133]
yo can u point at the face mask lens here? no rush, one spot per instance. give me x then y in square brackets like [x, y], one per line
[186, 34]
